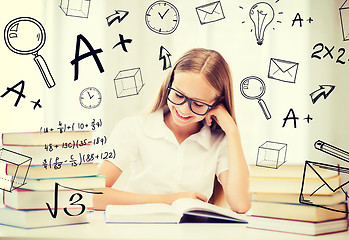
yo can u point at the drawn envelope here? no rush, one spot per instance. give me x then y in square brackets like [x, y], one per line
[283, 70]
[210, 12]
[322, 179]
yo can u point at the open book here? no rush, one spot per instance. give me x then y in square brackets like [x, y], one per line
[181, 210]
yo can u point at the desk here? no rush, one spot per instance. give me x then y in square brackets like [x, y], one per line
[98, 229]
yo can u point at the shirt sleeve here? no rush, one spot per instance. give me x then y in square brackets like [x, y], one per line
[124, 140]
[222, 162]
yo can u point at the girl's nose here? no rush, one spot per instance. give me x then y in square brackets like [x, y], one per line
[184, 108]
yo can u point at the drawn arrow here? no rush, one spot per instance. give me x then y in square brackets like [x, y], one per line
[324, 90]
[118, 15]
[165, 55]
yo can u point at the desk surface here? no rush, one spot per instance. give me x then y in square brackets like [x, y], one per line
[98, 229]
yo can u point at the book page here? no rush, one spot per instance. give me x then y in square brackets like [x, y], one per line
[185, 205]
[137, 209]
[152, 212]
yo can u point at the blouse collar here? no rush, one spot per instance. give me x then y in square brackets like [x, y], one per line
[155, 127]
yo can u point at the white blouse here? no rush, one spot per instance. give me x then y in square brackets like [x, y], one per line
[159, 164]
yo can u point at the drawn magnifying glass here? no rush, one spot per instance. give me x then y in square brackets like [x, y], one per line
[253, 88]
[25, 35]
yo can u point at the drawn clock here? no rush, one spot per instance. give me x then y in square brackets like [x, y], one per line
[90, 97]
[162, 17]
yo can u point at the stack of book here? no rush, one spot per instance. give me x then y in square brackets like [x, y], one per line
[287, 200]
[55, 186]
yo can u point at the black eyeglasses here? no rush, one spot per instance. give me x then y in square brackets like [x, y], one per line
[197, 107]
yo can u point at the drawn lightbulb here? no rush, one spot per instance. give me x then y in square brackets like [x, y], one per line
[261, 14]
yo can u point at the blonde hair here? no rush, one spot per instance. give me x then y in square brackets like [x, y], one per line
[212, 66]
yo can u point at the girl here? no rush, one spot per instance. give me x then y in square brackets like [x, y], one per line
[189, 137]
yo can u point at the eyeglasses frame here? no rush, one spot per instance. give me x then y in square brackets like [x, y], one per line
[187, 99]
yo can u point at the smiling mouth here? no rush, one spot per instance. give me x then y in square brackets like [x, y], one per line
[181, 116]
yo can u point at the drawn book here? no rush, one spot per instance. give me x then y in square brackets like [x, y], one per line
[51, 171]
[38, 218]
[22, 199]
[299, 211]
[164, 213]
[42, 184]
[296, 226]
[42, 139]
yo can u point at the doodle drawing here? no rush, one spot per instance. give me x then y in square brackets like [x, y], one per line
[162, 17]
[122, 42]
[253, 88]
[128, 82]
[26, 35]
[90, 97]
[282, 70]
[261, 14]
[55, 207]
[210, 12]
[344, 16]
[324, 90]
[332, 150]
[13, 164]
[326, 185]
[165, 56]
[118, 15]
[75, 8]
[271, 154]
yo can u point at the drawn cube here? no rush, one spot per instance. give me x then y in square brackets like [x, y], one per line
[344, 16]
[75, 8]
[128, 82]
[11, 165]
[271, 154]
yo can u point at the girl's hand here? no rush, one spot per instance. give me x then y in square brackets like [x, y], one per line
[191, 194]
[222, 117]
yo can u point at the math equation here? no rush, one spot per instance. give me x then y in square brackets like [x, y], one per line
[101, 140]
[75, 126]
[78, 159]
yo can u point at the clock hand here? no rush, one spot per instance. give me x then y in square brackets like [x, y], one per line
[90, 95]
[162, 16]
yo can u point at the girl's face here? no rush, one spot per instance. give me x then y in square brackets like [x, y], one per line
[193, 86]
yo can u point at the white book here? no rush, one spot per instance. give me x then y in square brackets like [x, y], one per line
[164, 213]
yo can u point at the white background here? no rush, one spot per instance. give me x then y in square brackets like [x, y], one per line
[232, 37]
